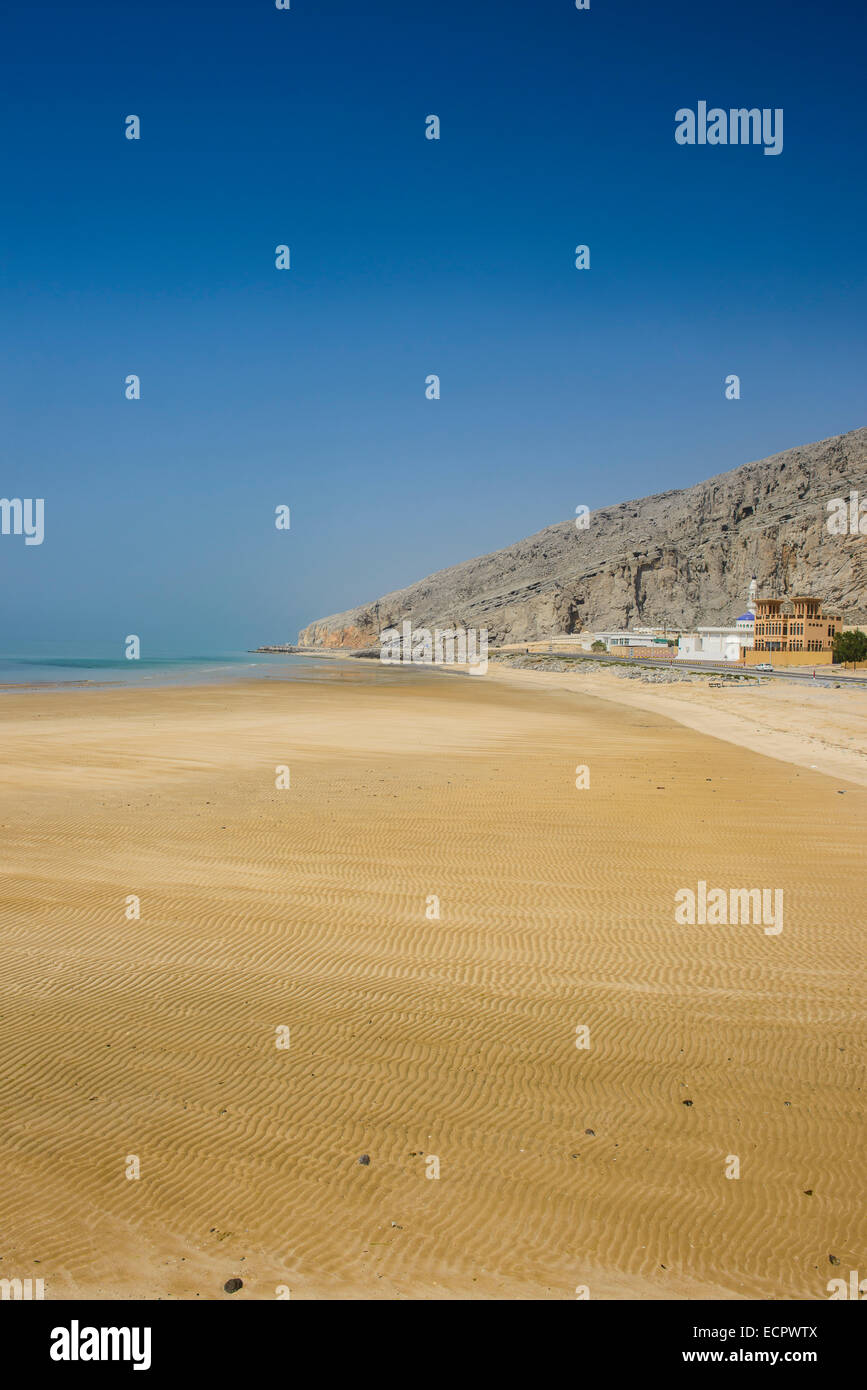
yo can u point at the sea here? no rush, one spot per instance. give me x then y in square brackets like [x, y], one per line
[46, 668]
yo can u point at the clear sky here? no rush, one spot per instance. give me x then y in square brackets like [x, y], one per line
[409, 256]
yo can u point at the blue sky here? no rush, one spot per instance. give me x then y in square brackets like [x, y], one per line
[409, 257]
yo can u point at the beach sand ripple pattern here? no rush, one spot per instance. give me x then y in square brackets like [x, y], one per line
[413, 1037]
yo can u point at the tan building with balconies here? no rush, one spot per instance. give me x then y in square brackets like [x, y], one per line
[799, 626]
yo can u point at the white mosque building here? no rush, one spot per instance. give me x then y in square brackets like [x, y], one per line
[721, 643]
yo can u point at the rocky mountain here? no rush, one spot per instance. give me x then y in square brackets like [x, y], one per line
[680, 558]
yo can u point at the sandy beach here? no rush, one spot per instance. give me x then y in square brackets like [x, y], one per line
[415, 1038]
[817, 727]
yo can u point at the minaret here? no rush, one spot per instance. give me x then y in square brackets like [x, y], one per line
[754, 594]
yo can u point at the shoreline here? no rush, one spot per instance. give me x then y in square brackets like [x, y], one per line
[772, 717]
[820, 729]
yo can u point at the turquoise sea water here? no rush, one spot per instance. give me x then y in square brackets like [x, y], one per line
[44, 669]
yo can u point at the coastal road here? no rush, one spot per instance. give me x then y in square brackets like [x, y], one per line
[799, 675]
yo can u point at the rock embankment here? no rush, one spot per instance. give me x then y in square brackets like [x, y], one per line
[651, 675]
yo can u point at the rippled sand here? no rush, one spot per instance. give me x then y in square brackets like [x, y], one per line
[411, 1036]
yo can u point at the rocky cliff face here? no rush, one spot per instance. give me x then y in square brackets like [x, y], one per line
[679, 558]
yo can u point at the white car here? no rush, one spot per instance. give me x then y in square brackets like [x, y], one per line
[763, 666]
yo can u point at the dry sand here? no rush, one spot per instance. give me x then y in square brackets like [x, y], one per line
[413, 1037]
[818, 727]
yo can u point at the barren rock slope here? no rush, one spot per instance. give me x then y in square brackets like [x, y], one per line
[681, 557]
